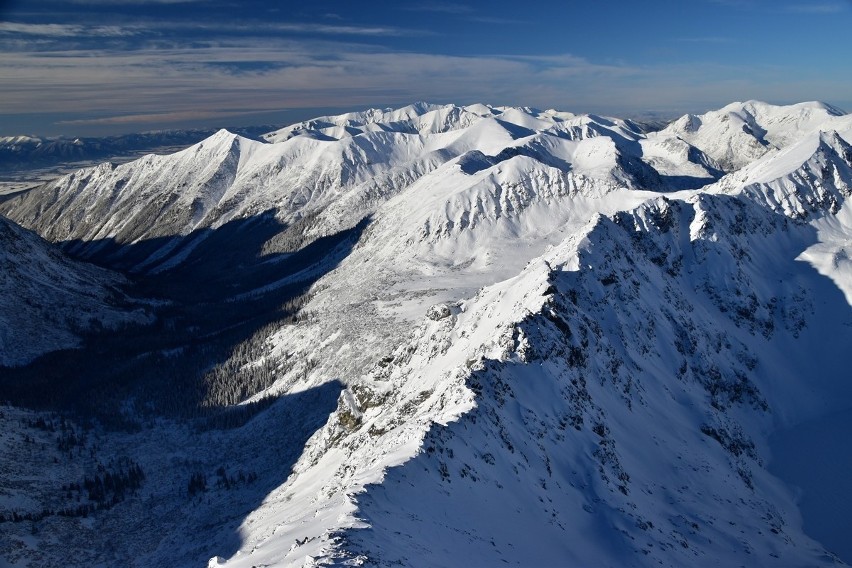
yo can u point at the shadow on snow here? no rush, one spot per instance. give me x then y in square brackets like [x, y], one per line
[213, 297]
[205, 524]
[213, 300]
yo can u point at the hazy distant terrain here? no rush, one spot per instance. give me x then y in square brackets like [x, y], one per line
[27, 161]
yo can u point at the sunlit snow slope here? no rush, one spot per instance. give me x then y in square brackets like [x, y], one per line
[564, 341]
[607, 404]
[331, 173]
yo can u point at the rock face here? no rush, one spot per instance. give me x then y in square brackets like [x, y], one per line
[560, 340]
[438, 312]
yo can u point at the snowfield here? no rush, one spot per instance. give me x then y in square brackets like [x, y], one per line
[559, 340]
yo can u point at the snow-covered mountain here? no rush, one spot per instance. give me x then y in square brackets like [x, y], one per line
[560, 340]
[47, 300]
[740, 133]
[338, 170]
[19, 154]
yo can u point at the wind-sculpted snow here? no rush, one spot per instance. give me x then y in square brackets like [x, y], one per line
[561, 341]
[619, 404]
[810, 179]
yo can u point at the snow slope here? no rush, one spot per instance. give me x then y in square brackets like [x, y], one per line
[560, 340]
[739, 133]
[48, 300]
[523, 407]
[333, 170]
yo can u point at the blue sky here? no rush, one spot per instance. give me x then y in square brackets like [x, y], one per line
[87, 67]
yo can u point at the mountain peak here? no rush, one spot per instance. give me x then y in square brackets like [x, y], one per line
[832, 139]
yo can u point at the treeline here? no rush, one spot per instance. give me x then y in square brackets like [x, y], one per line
[205, 352]
[111, 485]
[248, 370]
[294, 237]
[190, 365]
[215, 371]
[108, 486]
[224, 481]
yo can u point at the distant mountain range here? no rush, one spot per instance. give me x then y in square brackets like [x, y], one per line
[439, 335]
[20, 154]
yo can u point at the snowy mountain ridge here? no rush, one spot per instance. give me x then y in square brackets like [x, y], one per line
[664, 239]
[342, 180]
[19, 154]
[675, 238]
[742, 132]
[561, 340]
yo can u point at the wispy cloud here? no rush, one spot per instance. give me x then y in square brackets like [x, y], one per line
[818, 8]
[153, 28]
[63, 30]
[326, 29]
[155, 118]
[297, 74]
[162, 85]
[147, 71]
